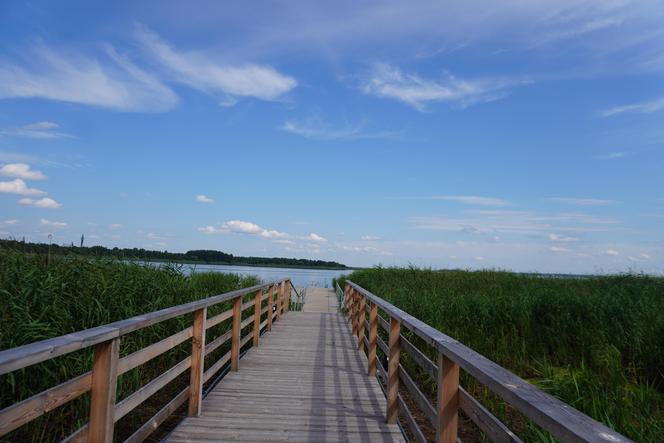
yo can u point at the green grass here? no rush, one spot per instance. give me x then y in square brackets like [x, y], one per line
[40, 300]
[596, 343]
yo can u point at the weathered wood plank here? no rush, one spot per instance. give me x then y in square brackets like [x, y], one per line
[103, 389]
[235, 334]
[393, 370]
[197, 363]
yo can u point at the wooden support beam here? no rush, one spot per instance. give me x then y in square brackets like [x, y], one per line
[360, 323]
[373, 339]
[279, 302]
[287, 294]
[270, 305]
[448, 400]
[235, 336]
[103, 391]
[197, 363]
[353, 317]
[257, 316]
[393, 371]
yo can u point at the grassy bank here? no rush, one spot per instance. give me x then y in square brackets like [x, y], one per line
[595, 343]
[40, 300]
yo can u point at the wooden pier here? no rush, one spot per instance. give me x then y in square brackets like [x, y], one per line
[331, 372]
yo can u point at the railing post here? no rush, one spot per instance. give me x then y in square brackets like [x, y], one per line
[197, 363]
[353, 318]
[235, 334]
[287, 294]
[393, 371]
[270, 303]
[257, 316]
[360, 323]
[278, 301]
[373, 339]
[347, 292]
[103, 390]
[448, 400]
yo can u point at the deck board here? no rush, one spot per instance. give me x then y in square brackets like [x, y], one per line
[306, 382]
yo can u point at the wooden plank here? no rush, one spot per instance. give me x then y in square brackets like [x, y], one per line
[360, 323]
[103, 389]
[417, 395]
[493, 428]
[246, 339]
[153, 423]
[270, 303]
[149, 352]
[287, 296]
[278, 302]
[410, 421]
[235, 335]
[447, 423]
[197, 363]
[558, 418]
[373, 335]
[132, 401]
[247, 305]
[216, 366]
[214, 344]
[393, 371]
[418, 357]
[214, 321]
[247, 321]
[27, 410]
[257, 317]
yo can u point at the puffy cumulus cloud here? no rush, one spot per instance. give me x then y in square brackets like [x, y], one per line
[315, 238]
[19, 187]
[243, 227]
[22, 171]
[45, 203]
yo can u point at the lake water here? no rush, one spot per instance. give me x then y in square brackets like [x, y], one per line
[320, 278]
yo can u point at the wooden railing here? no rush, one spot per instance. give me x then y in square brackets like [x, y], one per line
[101, 381]
[560, 419]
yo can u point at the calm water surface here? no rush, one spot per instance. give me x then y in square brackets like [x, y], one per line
[300, 277]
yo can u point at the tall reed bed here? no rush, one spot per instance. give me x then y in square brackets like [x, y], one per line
[596, 343]
[41, 299]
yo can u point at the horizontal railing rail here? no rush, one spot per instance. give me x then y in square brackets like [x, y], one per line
[101, 381]
[558, 418]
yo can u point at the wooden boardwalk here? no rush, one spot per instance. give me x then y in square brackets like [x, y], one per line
[306, 382]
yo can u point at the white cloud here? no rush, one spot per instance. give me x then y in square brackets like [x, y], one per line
[642, 257]
[46, 203]
[114, 226]
[390, 82]
[558, 249]
[637, 108]
[562, 238]
[53, 224]
[204, 199]
[582, 201]
[613, 155]
[314, 128]
[612, 252]
[206, 74]
[315, 238]
[472, 200]
[19, 187]
[21, 170]
[243, 227]
[40, 130]
[112, 81]
[370, 238]
[9, 222]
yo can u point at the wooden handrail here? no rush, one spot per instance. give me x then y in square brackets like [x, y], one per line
[560, 419]
[102, 380]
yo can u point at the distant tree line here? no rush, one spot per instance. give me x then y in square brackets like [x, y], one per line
[196, 256]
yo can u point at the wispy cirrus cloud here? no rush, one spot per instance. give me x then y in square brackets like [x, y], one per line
[582, 201]
[53, 224]
[22, 171]
[39, 130]
[109, 81]
[206, 73]
[316, 129]
[387, 81]
[471, 200]
[646, 107]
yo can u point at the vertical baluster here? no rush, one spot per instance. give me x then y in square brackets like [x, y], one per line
[197, 363]
[360, 323]
[353, 318]
[347, 290]
[448, 400]
[257, 316]
[287, 295]
[103, 391]
[373, 338]
[393, 371]
[235, 334]
[270, 304]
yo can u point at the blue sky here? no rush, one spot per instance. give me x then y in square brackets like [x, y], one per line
[520, 135]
